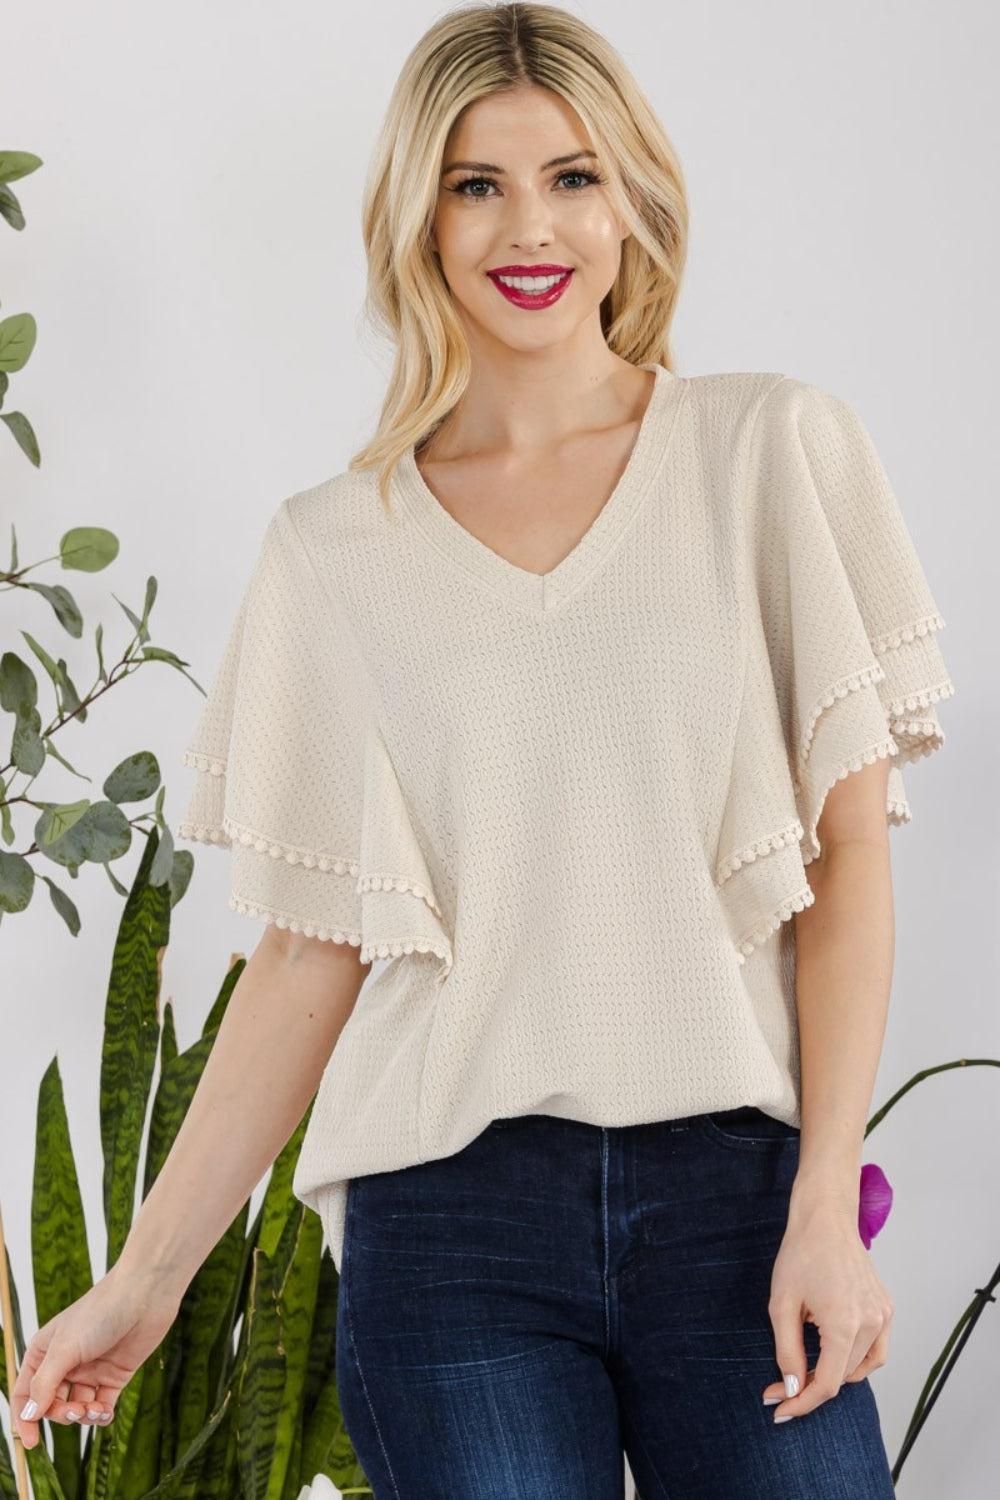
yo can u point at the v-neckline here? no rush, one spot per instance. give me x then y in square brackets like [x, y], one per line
[543, 592]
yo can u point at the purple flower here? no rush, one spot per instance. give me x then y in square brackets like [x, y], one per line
[874, 1202]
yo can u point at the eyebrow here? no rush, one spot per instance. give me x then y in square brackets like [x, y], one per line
[485, 166]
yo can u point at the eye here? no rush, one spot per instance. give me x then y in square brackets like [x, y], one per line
[586, 177]
[464, 187]
[470, 182]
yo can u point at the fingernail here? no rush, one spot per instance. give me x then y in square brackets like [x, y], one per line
[791, 1385]
[106, 1416]
[72, 1416]
[772, 1400]
[783, 1416]
[28, 1410]
[93, 1413]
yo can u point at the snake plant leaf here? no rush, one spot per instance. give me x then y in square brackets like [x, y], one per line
[323, 1336]
[167, 1487]
[59, 1249]
[220, 1004]
[106, 1460]
[130, 1042]
[297, 1306]
[203, 1324]
[262, 1381]
[133, 779]
[8, 1483]
[44, 1479]
[326, 1447]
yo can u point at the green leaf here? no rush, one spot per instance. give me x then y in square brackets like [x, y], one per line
[131, 1029]
[262, 1381]
[134, 620]
[17, 882]
[203, 1323]
[88, 549]
[133, 779]
[4, 383]
[27, 749]
[160, 653]
[23, 434]
[98, 642]
[63, 905]
[67, 697]
[180, 874]
[59, 1253]
[66, 609]
[71, 703]
[15, 164]
[102, 833]
[122, 890]
[10, 208]
[58, 818]
[18, 684]
[50, 746]
[17, 339]
[163, 864]
[150, 599]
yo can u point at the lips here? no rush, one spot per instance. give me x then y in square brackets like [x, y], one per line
[523, 297]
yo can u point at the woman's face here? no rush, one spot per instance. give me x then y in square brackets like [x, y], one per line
[522, 194]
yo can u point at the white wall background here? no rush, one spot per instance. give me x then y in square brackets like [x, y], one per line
[193, 258]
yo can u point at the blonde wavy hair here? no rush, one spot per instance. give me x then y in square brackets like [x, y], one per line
[471, 52]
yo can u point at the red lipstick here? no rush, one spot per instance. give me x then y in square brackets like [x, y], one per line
[521, 296]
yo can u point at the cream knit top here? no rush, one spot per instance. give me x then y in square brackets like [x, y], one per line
[574, 810]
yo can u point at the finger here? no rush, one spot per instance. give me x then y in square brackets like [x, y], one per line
[827, 1377]
[45, 1374]
[873, 1360]
[789, 1345]
[79, 1390]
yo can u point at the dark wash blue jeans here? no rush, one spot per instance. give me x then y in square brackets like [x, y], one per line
[515, 1317]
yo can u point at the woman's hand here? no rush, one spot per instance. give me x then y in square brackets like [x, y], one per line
[824, 1275]
[78, 1363]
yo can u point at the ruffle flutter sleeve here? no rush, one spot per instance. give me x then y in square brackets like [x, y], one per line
[843, 664]
[278, 750]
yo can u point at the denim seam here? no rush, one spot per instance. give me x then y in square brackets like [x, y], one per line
[742, 1142]
[364, 1386]
[645, 1452]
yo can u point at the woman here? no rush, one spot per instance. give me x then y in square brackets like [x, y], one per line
[550, 699]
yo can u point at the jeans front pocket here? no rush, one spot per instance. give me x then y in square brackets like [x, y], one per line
[747, 1128]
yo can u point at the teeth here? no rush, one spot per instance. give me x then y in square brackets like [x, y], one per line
[533, 283]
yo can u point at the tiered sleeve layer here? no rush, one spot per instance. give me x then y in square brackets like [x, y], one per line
[843, 665]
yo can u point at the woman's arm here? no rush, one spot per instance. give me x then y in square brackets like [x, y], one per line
[283, 1020]
[845, 946]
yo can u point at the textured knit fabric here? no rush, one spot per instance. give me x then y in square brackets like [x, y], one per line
[574, 811]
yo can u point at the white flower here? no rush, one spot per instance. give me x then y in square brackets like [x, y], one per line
[320, 1489]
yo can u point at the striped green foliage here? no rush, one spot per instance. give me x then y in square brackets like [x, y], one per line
[239, 1399]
